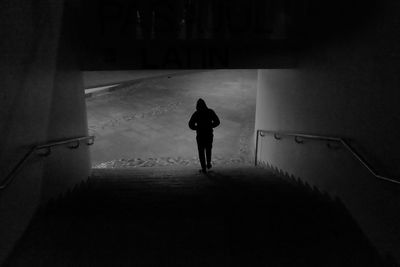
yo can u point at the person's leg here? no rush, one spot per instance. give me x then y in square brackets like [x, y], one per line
[208, 151]
[201, 148]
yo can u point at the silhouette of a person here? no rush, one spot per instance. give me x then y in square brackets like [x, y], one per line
[203, 121]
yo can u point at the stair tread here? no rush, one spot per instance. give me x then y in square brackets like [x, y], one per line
[237, 216]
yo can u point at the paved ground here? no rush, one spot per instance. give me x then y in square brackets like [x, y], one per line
[101, 78]
[145, 124]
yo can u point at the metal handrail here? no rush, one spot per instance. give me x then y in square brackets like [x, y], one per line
[346, 144]
[47, 147]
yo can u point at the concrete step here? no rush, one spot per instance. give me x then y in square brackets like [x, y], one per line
[233, 216]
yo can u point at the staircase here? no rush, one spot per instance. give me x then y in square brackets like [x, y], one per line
[236, 216]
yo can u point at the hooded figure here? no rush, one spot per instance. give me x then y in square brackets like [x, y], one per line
[203, 121]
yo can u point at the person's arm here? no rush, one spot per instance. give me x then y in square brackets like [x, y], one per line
[192, 122]
[215, 120]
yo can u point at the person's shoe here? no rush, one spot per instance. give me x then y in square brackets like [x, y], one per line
[209, 165]
[203, 171]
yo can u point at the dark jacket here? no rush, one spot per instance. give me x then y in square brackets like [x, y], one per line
[203, 119]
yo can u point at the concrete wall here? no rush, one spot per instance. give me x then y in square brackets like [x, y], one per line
[41, 100]
[347, 87]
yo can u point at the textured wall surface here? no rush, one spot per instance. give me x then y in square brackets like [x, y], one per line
[41, 100]
[347, 87]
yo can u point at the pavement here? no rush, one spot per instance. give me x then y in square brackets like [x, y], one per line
[102, 82]
[93, 79]
[100, 90]
[145, 123]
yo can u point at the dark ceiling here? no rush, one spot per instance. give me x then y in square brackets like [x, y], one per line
[137, 34]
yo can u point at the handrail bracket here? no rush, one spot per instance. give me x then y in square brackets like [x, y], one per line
[44, 151]
[300, 137]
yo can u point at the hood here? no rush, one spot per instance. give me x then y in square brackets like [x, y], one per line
[201, 105]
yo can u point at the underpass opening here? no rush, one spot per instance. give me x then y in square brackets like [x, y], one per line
[140, 118]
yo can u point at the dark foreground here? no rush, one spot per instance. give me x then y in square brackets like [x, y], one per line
[178, 217]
